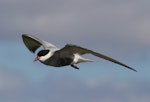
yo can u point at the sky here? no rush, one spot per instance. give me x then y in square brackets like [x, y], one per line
[117, 28]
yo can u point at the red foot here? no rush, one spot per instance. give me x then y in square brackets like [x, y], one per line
[74, 66]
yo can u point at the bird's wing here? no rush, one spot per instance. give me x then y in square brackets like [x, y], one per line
[33, 43]
[77, 49]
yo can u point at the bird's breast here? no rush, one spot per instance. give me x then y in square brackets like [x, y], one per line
[58, 61]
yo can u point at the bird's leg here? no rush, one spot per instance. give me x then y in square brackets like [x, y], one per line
[74, 66]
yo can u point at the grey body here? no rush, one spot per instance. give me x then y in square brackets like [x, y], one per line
[68, 55]
[58, 59]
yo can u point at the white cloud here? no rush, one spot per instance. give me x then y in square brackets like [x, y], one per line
[17, 87]
[111, 25]
[12, 85]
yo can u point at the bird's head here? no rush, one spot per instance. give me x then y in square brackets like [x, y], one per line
[43, 55]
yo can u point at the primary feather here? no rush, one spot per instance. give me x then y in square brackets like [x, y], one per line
[33, 43]
[80, 50]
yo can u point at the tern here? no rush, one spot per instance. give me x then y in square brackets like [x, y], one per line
[68, 55]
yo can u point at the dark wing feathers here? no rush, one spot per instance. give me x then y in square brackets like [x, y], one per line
[31, 43]
[77, 49]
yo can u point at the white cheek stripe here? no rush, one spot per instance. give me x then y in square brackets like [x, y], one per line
[44, 58]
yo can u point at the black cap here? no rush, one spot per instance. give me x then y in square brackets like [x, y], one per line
[43, 52]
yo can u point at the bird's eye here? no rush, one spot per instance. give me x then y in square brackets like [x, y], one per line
[43, 52]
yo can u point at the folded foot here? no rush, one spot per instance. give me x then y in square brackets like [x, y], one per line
[74, 66]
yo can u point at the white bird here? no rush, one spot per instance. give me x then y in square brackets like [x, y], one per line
[68, 55]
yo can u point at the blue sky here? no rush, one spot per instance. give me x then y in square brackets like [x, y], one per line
[119, 29]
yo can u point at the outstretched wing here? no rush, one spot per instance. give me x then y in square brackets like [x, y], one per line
[71, 49]
[33, 43]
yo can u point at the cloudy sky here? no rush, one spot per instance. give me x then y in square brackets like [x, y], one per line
[117, 28]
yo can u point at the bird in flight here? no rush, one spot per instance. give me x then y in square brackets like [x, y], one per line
[68, 55]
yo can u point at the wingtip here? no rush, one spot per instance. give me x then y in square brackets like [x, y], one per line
[26, 42]
[132, 69]
[25, 35]
[135, 70]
